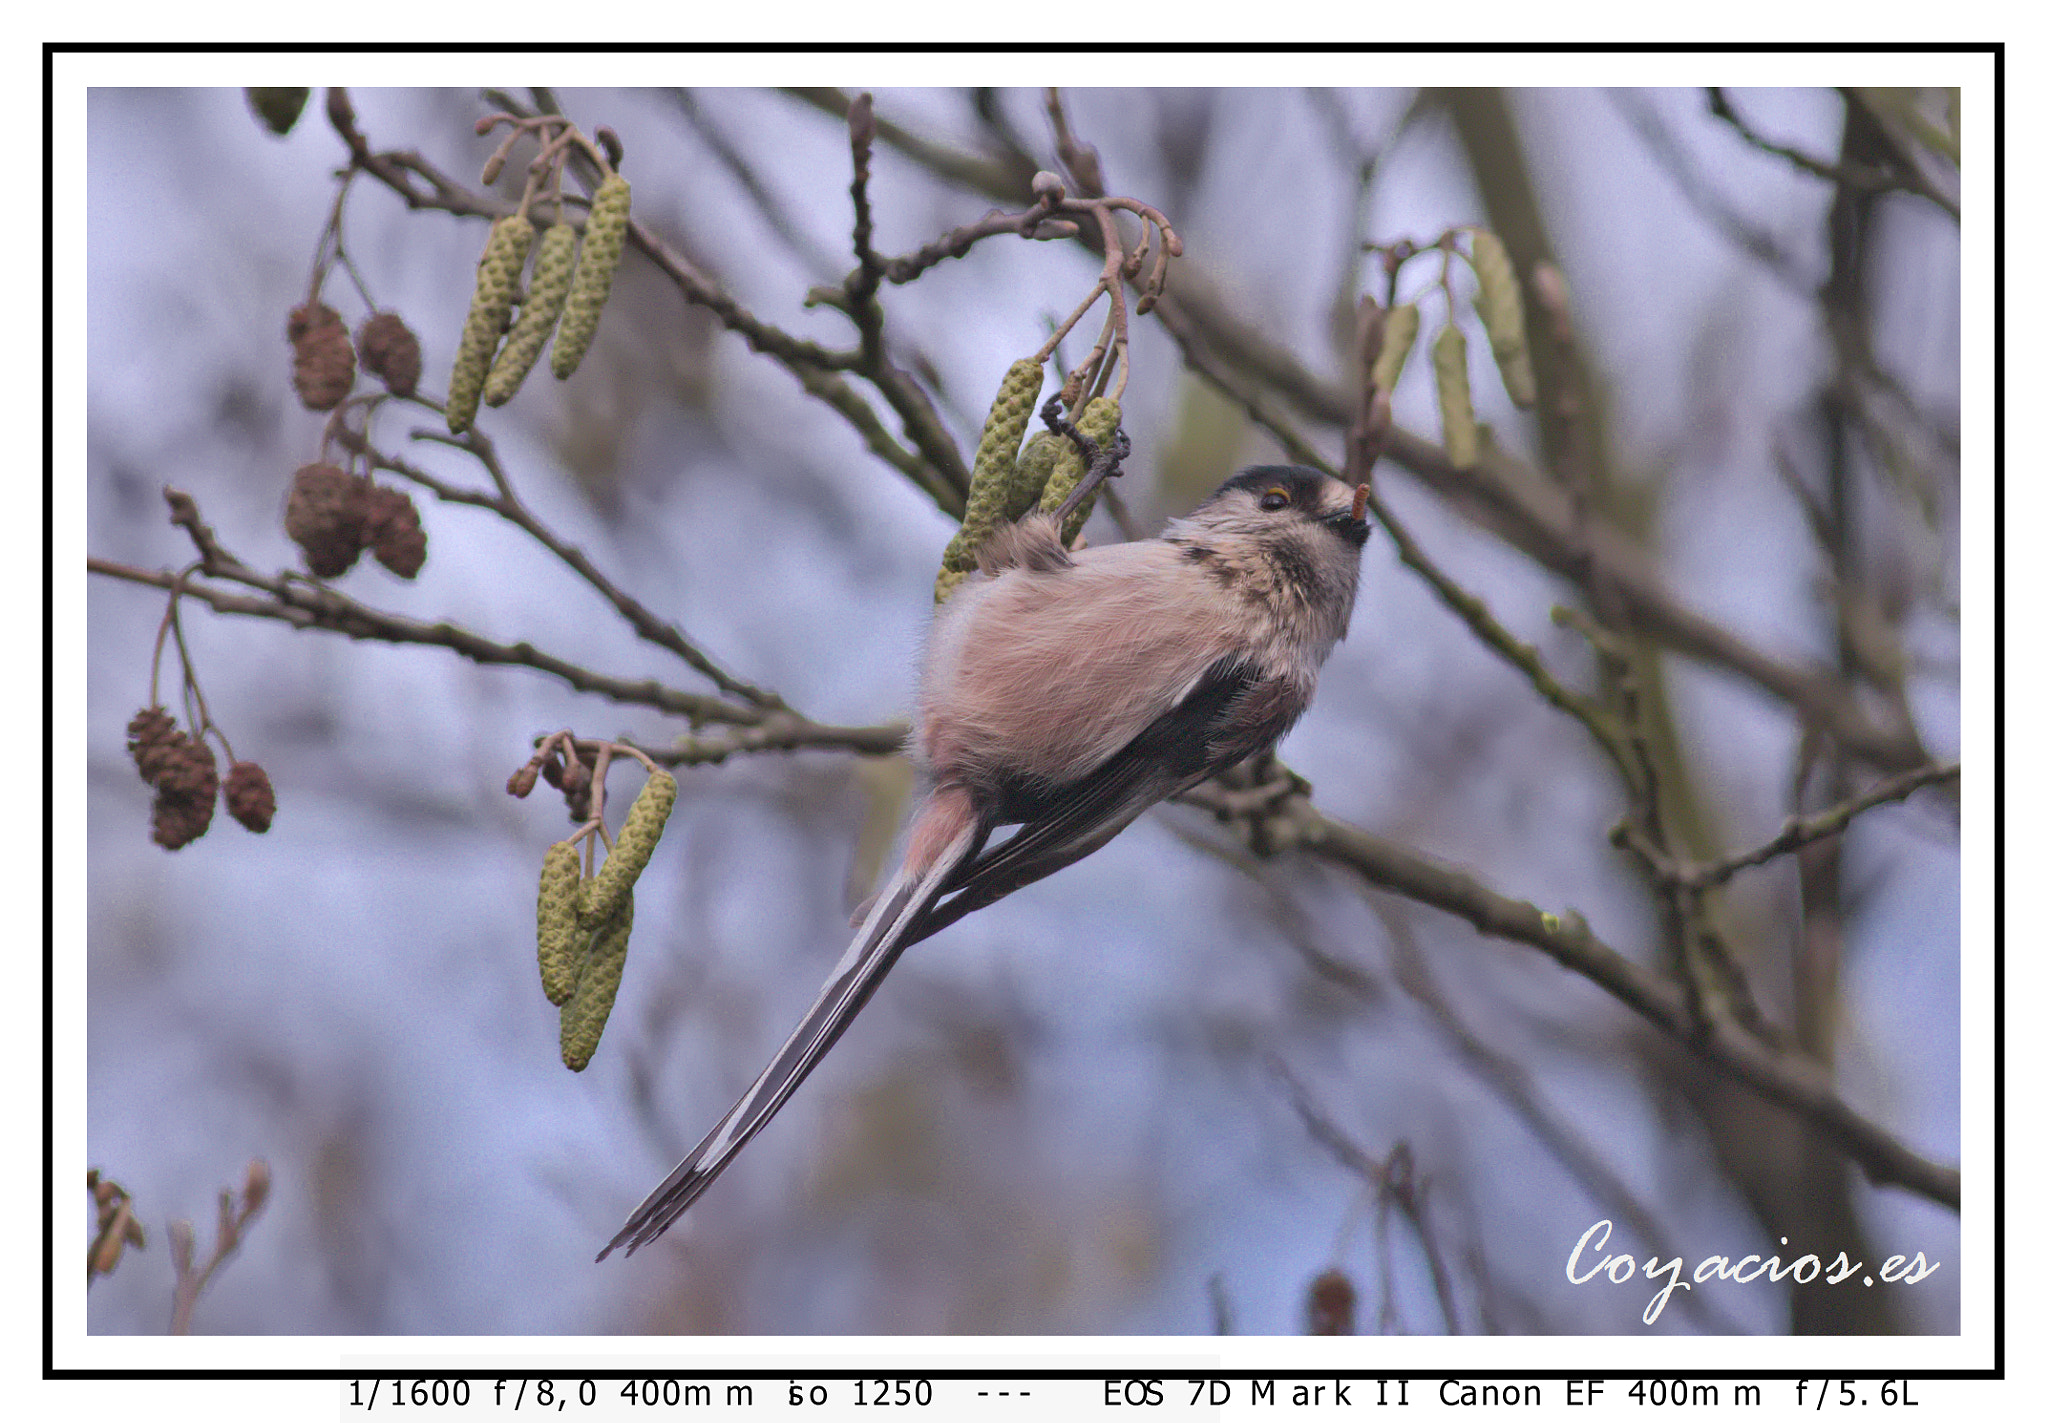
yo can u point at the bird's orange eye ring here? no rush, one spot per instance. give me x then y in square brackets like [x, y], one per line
[1274, 498]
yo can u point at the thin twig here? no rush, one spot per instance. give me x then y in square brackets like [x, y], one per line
[508, 506]
[236, 1211]
[860, 287]
[1906, 179]
[1393, 1180]
[1805, 830]
[1511, 1083]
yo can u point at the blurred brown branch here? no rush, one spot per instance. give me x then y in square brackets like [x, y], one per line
[236, 1211]
[1790, 1080]
[1393, 1181]
[1901, 174]
[1805, 830]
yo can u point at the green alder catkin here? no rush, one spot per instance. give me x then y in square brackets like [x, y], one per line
[597, 987]
[1403, 322]
[604, 242]
[1034, 468]
[545, 295]
[995, 468]
[1099, 423]
[1454, 398]
[1500, 311]
[562, 939]
[497, 277]
[630, 852]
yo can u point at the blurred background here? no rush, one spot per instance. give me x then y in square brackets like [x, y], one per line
[1139, 1097]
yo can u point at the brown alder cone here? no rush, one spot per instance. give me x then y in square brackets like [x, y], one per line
[323, 358]
[392, 529]
[185, 793]
[249, 796]
[1332, 1303]
[390, 352]
[176, 822]
[188, 772]
[150, 743]
[327, 516]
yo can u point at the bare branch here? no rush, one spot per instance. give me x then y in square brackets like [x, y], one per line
[1804, 830]
[1393, 1181]
[304, 604]
[1792, 1081]
[237, 1209]
[508, 506]
[1907, 178]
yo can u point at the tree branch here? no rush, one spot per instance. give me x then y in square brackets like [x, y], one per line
[303, 604]
[1792, 1081]
[1908, 179]
[1804, 830]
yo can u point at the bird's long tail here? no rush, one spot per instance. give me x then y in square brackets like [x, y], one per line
[950, 833]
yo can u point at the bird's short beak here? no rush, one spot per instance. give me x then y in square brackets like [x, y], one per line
[1347, 528]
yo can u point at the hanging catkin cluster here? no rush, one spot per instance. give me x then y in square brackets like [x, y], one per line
[582, 925]
[1499, 307]
[1099, 421]
[995, 485]
[571, 281]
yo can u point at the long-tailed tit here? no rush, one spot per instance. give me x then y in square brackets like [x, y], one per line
[1065, 693]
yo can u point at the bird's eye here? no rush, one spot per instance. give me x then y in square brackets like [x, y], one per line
[1274, 498]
